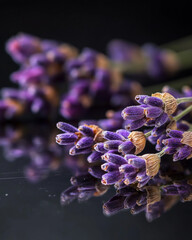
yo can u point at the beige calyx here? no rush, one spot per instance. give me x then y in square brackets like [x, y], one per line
[187, 138]
[139, 141]
[170, 103]
[152, 162]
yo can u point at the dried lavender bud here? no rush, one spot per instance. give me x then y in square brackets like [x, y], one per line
[74, 151]
[182, 153]
[112, 144]
[133, 113]
[114, 158]
[153, 101]
[133, 125]
[162, 119]
[153, 112]
[94, 157]
[87, 131]
[126, 168]
[141, 98]
[109, 167]
[99, 147]
[124, 133]
[112, 136]
[126, 147]
[111, 178]
[66, 138]
[96, 171]
[65, 127]
[137, 162]
[84, 142]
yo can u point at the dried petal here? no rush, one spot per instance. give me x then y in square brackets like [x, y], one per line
[152, 162]
[139, 140]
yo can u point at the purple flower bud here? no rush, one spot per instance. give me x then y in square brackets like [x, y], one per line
[123, 133]
[154, 101]
[175, 133]
[71, 107]
[32, 75]
[126, 147]
[94, 157]
[137, 162]
[150, 122]
[128, 156]
[99, 147]
[133, 125]
[126, 168]
[22, 46]
[140, 98]
[182, 153]
[109, 167]
[153, 112]
[141, 176]
[133, 113]
[130, 178]
[157, 131]
[182, 126]
[114, 158]
[162, 119]
[65, 127]
[112, 144]
[111, 177]
[74, 151]
[160, 144]
[112, 136]
[172, 142]
[84, 142]
[170, 150]
[66, 138]
[96, 171]
[87, 131]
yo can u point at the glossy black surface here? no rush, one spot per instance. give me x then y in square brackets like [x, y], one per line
[33, 211]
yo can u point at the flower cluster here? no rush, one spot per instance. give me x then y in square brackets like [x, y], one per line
[119, 149]
[160, 62]
[179, 143]
[50, 68]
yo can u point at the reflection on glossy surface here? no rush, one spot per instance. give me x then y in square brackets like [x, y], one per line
[35, 144]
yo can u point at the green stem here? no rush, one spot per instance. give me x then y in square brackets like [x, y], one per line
[183, 113]
[179, 44]
[185, 99]
[185, 59]
[148, 134]
[160, 154]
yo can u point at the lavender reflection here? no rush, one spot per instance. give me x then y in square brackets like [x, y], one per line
[37, 144]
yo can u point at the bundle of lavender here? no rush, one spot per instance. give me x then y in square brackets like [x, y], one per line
[54, 76]
[125, 161]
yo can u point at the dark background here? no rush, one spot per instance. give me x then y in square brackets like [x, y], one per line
[28, 211]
